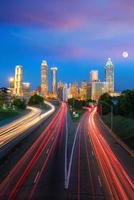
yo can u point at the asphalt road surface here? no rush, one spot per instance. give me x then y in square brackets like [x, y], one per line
[14, 129]
[65, 160]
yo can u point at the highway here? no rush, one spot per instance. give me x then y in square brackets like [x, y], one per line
[36, 157]
[84, 177]
[67, 160]
[98, 167]
[116, 178]
[16, 128]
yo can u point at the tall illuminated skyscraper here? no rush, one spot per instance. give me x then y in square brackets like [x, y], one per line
[60, 86]
[26, 88]
[44, 78]
[18, 81]
[74, 90]
[97, 89]
[93, 75]
[109, 75]
[65, 92]
[54, 87]
[83, 90]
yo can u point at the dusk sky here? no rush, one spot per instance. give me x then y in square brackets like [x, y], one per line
[74, 35]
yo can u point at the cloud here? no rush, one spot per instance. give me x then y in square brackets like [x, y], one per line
[71, 29]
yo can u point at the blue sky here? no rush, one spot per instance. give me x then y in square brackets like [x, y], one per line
[76, 36]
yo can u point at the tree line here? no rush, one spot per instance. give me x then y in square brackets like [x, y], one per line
[17, 103]
[122, 105]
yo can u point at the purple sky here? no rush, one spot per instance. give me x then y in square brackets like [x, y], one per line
[74, 35]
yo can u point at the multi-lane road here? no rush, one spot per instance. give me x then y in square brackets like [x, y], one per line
[66, 160]
[16, 128]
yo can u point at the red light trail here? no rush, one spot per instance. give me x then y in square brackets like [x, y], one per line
[118, 182]
[17, 176]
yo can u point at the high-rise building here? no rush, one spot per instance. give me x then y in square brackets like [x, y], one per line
[65, 92]
[60, 86]
[83, 90]
[109, 75]
[93, 75]
[97, 89]
[89, 88]
[69, 91]
[26, 89]
[74, 91]
[18, 81]
[44, 78]
[54, 85]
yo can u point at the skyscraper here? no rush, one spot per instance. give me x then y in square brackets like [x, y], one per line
[26, 88]
[109, 75]
[44, 78]
[98, 88]
[60, 86]
[93, 75]
[18, 81]
[65, 92]
[74, 90]
[54, 86]
[83, 90]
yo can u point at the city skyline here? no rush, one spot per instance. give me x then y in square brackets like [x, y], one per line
[72, 79]
[67, 99]
[78, 38]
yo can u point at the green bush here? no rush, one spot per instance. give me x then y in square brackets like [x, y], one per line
[105, 101]
[19, 104]
[35, 100]
[126, 103]
[1, 101]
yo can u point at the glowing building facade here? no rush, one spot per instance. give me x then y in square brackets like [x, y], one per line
[74, 90]
[109, 75]
[18, 81]
[26, 89]
[60, 90]
[54, 84]
[65, 92]
[44, 78]
[93, 75]
[97, 89]
[83, 90]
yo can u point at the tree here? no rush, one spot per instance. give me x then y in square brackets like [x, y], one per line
[1, 100]
[35, 100]
[76, 104]
[105, 102]
[19, 104]
[126, 103]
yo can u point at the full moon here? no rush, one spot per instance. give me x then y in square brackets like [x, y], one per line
[125, 54]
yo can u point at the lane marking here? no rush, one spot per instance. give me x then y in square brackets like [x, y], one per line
[36, 177]
[66, 142]
[99, 181]
[92, 153]
[47, 151]
[71, 158]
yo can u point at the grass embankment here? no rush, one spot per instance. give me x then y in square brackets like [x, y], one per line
[123, 127]
[6, 114]
[44, 106]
